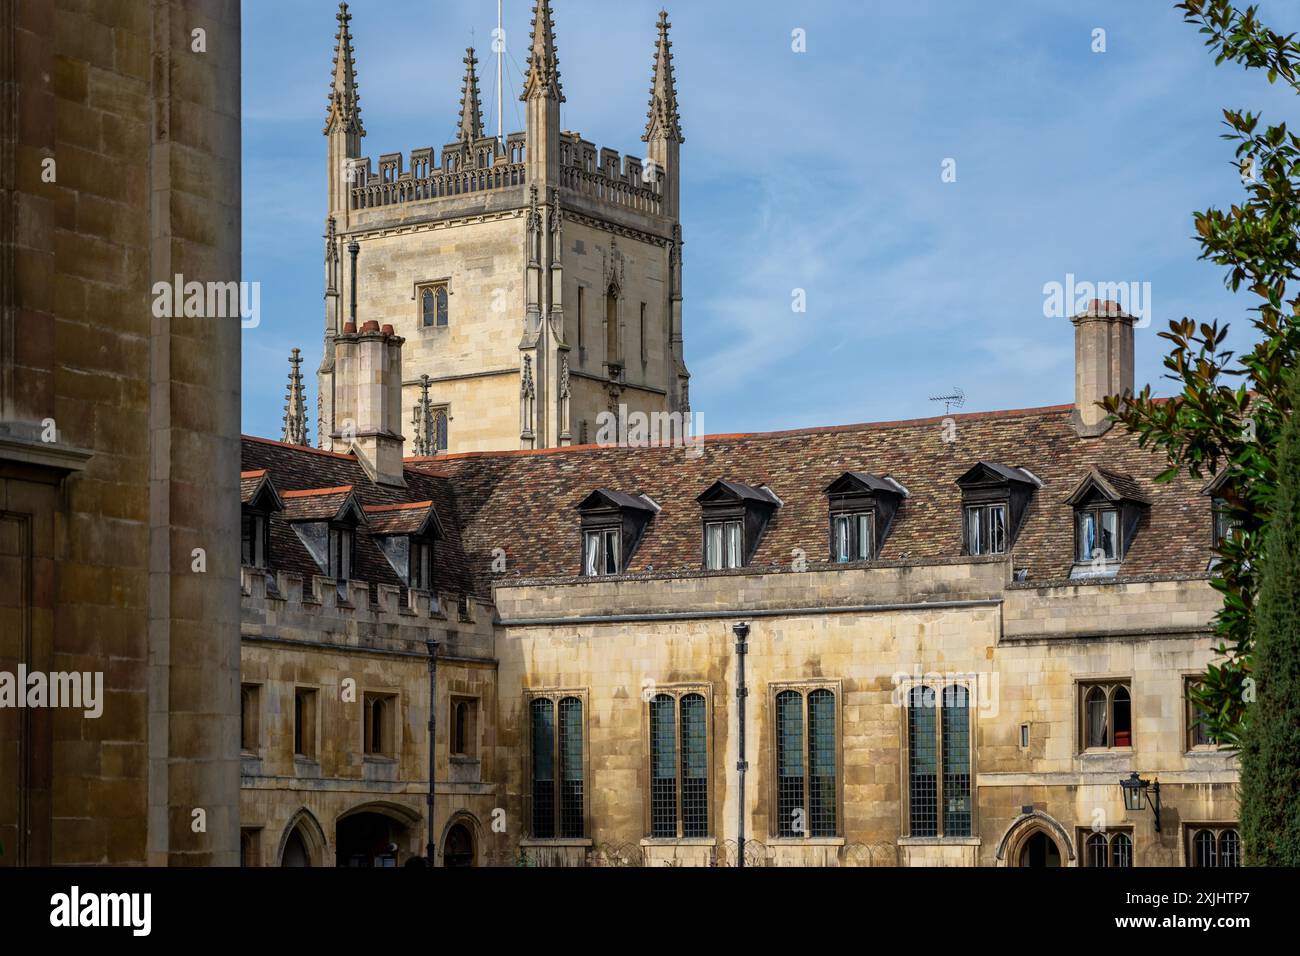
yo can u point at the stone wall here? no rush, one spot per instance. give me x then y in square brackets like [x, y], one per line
[865, 634]
[119, 429]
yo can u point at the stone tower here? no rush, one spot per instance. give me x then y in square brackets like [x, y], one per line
[536, 281]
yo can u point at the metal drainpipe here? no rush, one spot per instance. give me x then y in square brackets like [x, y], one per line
[742, 692]
[354, 250]
[431, 849]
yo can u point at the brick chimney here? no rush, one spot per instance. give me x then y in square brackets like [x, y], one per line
[368, 400]
[1103, 363]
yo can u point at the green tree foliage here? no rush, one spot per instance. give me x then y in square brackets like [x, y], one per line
[1228, 417]
[1270, 750]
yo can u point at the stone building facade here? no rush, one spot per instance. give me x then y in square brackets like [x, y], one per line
[119, 168]
[943, 642]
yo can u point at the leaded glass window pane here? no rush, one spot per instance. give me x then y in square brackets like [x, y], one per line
[1229, 848]
[789, 763]
[1203, 848]
[956, 762]
[572, 821]
[1121, 850]
[442, 307]
[821, 763]
[1098, 850]
[663, 767]
[428, 310]
[922, 749]
[543, 726]
[695, 768]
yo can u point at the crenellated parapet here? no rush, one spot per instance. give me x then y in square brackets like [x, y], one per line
[603, 175]
[479, 166]
[358, 615]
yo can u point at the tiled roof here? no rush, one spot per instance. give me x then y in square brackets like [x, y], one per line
[294, 468]
[523, 503]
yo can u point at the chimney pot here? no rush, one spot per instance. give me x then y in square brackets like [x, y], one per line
[349, 328]
[371, 326]
[388, 330]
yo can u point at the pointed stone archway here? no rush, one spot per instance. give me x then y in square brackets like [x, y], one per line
[1036, 839]
[303, 843]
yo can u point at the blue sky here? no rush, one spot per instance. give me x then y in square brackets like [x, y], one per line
[818, 171]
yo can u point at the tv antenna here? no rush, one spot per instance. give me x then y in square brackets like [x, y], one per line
[955, 400]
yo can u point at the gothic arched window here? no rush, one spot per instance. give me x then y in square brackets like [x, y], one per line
[434, 305]
[427, 308]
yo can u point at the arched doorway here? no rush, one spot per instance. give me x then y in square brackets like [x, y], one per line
[303, 843]
[370, 840]
[1039, 849]
[458, 847]
[295, 851]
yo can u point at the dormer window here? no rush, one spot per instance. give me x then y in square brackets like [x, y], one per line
[1222, 524]
[259, 501]
[407, 535]
[735, 517]
[1107, 509]
[613, 524]
[325, 521]
[862, 509]
[994, 500]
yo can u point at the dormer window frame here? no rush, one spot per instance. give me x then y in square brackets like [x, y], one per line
[255, 539]
[420, 563]
[1098, 494]
[342, 551]
[735, 516]
[995, 500]
[1221, 523]
[856, 499]
[255, 522]
[612, 525]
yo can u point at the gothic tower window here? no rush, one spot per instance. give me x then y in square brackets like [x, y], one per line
[434, 306]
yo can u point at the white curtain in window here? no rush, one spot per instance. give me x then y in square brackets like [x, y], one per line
[713, 547]
[733, 544]
[591, 555]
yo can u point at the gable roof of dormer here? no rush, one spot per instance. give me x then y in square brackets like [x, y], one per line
[989, 472]
[735, 491]
[606, 498]
[861, 483]
[416, 520]
[257, 491]
[323, 504]
[1111, 486]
